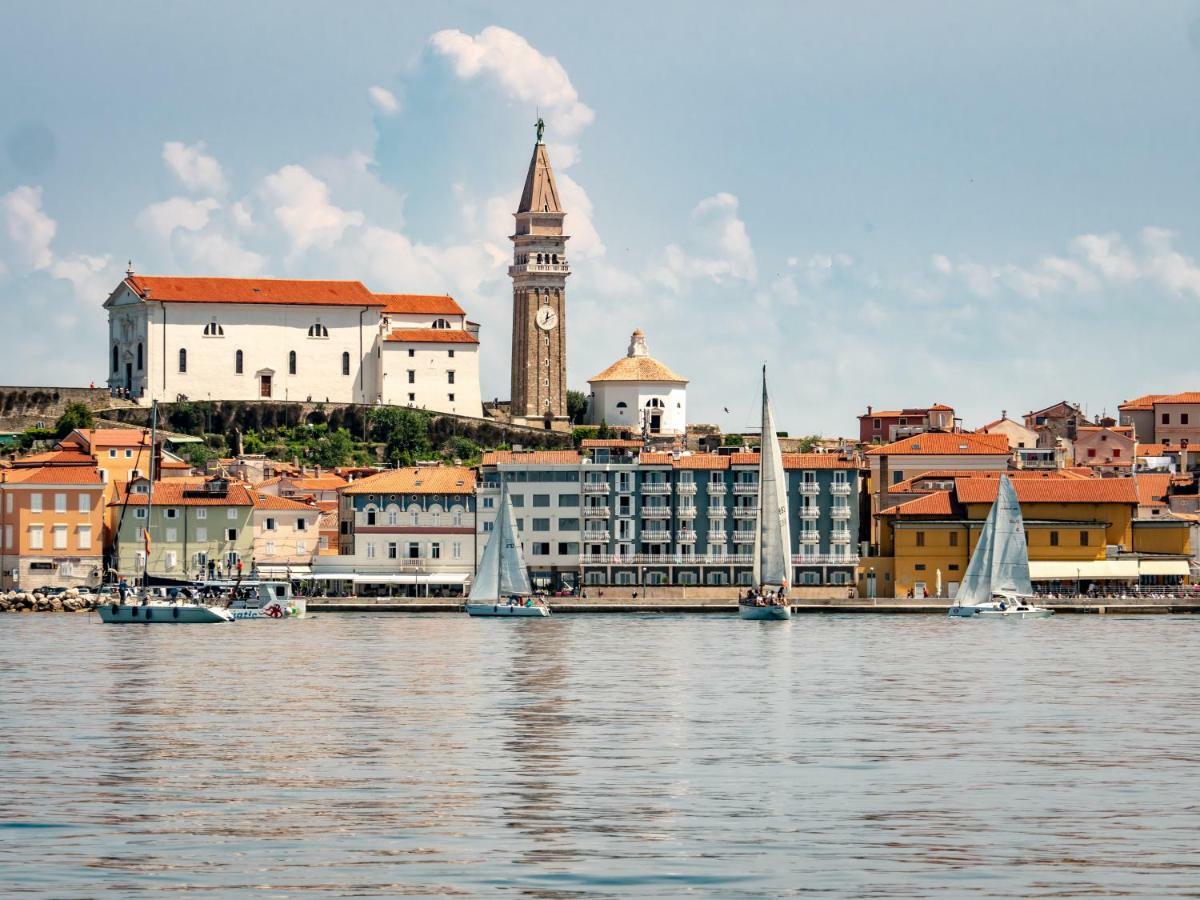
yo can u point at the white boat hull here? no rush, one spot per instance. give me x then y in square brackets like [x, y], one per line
[993, 611]
[762, 613]
[506, 610]
[162, 614]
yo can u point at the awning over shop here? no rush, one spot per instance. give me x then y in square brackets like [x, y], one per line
[1165, 567]
[283, 571]
[1069, 570]
[392, 578]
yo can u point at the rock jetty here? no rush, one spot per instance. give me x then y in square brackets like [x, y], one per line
[36, 601]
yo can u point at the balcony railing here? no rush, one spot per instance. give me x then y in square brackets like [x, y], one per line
[667, 559]
[840, 536]
[656, 536]
[812, 488]
[687, 512]
[824, 559]
[596, 512]
[717, 512]
[840, 487]
[595, 487]
[745, 512]
[656, 487]
[520, 268]
[810, 512]
[687, 537]
[809, 537]
[841, 512]
[624, 487]
[686, 488]
[745, 487]
[716, 488]
[717, 537]
[595, 534]
[656, 512]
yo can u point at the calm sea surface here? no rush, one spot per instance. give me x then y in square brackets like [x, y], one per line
[597, 756]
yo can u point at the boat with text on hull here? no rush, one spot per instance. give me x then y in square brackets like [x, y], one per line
[271, 600]
[767, 600]
[501, 587]
[996, 583]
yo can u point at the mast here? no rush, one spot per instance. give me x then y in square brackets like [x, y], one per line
[147, 541]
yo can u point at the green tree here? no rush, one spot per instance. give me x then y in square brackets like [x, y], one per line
[809, 443]
[732, 440]
[576, 406]
[198, 455]
[461, 448]
[403, 432]
[332, 449]
[76, 415]
[602, 433]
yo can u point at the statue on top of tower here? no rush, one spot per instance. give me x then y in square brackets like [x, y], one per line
[541, 129]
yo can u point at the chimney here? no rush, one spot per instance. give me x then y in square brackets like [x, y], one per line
[868, 409]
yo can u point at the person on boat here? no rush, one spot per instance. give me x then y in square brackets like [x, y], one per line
[123, 590]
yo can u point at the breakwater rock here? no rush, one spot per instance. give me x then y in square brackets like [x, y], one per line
[36, 601]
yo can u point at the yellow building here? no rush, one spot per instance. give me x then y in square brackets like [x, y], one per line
[1080, 531]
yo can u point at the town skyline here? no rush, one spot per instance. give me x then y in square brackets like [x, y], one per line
[795, 215]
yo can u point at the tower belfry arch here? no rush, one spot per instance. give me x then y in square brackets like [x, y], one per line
[539, 274]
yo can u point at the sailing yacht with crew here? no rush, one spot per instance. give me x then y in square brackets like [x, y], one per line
[996, 583]
[501, 586]
[773, 539]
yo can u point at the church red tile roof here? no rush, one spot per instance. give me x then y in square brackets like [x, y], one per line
[420, 304]
[431, 336]
[282, 291]
[526, 457]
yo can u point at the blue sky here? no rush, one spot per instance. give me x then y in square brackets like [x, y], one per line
[991, 205]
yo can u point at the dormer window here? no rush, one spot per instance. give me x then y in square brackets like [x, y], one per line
[212, 329]
[441, 323]
[317, 330]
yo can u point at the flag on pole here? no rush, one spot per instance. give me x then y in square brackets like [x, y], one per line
[146, 540]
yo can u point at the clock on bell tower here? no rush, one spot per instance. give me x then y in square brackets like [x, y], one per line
[539, 274]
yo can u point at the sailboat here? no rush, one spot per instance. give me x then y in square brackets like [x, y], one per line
[773, 540]
[501, 586]
[996, 582]
[149, 610]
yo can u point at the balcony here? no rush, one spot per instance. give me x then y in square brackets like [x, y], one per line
[811, 488]
[595, 534]
[595, 487]
[656, 536]
[656, 487]
[810, 513]
[687, 537]
[809, 537]
[667, 559]
[840, 536]
[558, 268]
[717, 512]
[656, 512]
[745, 512]
[716, 489]
[687, 512]
[745, 487]
[840, 488]
[686, 488]
[717, 537]
[824, 559]
[841, 513]
[596, 512]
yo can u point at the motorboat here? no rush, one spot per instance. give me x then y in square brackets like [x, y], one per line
[271, 600]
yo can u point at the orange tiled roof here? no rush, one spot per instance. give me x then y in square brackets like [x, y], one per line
[1116, 428]
[935, 504]
[1051, 490]
[939, 443]
[113, 437]
[85, 475]
[431, 336]
[1152, 488]
[1146, 401]
[271, 502]
[420, 304]
[610, 443]
[417, 480]
[1185, 397]
[53, 458]
[817, 461]
[907, 411]
[281, 291]
[688, 461]
[172, 493]
[536, 457]
[941, 407]
[318, 482]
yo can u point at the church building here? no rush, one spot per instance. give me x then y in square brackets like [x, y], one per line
[639, 393]
[290, 340]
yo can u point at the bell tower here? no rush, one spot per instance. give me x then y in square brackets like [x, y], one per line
[539, 274]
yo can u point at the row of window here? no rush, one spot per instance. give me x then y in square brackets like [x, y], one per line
[392, 517]
[172, 512]
[412, 550]
[1183, 418]
[716, 578]
[83, 504]
[37, 537]
[116, 358]
[199, 535]
[952, 538]
[239, 362]
[315, 330]
[539, 258]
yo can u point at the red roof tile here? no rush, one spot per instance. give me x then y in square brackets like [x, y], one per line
[416, 480]
[82, 475]
[185, 492]
[939, 443]
[611, 443]
[113, 437]
[534, 457]
[1152, 488]
[431, 336]
[936, 504]
[281, 291]
[1051, 490]
[271, 502]
[1185, 397]
[1146, 401]
[420, 304]
[53, 458]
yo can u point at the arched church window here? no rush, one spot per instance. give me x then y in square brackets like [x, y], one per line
[622, 405]
[317, 330]
[140, 357]
[212, 329]
[237, 362]
[116, 362]
[292, 362]
[345, 363]
[539, 258]
[182, 360]
[441, 323]
[554, 258]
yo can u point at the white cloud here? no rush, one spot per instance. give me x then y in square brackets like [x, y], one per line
[383, 100]
[196, 170]
[217, 254]
[303, 209]
[28, 230]
[162, 219]
[720, 248]
[523, 73]
[1177, 273]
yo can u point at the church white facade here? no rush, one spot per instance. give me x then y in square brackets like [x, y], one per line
[290, 340]
[639, 393]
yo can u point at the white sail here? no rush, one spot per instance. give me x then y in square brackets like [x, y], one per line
[502, 571]
[486, 585]
[514, 577]
[773, 549]
[1000, 563]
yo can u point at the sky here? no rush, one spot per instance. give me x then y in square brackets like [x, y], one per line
[991, 205]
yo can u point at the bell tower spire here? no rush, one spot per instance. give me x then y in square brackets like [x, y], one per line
[539, 274]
